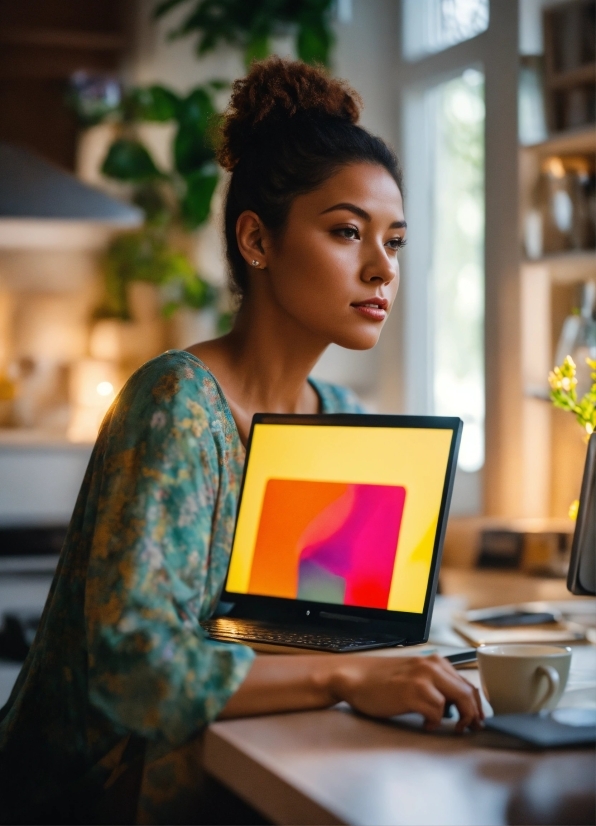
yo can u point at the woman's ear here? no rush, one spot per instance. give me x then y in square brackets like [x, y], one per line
[250, 236]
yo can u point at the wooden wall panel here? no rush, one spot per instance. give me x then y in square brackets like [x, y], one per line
[42, 43]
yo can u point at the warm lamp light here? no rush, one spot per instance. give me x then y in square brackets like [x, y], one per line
[105, 388]
[93, 384]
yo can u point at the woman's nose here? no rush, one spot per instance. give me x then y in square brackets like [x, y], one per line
[380, 268]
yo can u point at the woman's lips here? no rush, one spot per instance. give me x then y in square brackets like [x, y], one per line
[375, 309]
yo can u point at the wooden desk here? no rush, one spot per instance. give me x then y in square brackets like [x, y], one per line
[327, 767]
[333, 766]
[485, 588]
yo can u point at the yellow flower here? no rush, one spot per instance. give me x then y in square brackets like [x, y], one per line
[573, 509]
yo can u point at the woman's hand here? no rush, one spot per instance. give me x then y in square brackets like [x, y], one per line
[383, 687]
[378, 686]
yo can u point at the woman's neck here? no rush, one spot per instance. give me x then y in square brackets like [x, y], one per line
[263, 364]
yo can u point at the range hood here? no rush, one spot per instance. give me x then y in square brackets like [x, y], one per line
[43, 206]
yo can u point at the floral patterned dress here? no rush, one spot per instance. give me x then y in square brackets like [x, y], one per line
[120, 666]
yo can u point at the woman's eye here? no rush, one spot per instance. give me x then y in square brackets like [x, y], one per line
[396, 243]
[348, 232]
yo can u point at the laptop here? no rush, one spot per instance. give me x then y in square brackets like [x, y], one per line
[339, 531]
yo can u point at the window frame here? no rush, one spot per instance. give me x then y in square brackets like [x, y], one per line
[495, 52]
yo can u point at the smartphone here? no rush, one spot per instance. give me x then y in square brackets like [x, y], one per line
[463, 657]
[507, 618]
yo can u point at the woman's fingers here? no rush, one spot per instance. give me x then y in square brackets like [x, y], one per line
[478, 713]
[428, 701]
[425, 685]
[457, 690]
[477, 723]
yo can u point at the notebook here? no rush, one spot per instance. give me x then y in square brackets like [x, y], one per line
[339, 531]
[562, 727]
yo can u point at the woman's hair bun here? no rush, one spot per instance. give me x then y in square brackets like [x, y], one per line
[278, 88]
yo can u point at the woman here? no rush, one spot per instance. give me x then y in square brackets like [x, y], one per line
[121, 680]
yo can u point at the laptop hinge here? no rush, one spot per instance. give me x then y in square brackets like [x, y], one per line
[343, 617]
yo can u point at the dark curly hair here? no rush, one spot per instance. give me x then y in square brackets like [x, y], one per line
[289, 127]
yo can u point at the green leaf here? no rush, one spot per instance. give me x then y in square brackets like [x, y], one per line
[314, 42]
[155, 103]
[192, 150]
[129, 160]
[150, 198]
[197, 109]
[198, 293]
[218, 85]
[196, 204]
[192, 145]
[257, 48]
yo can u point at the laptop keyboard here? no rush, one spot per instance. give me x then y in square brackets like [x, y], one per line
[235, 630]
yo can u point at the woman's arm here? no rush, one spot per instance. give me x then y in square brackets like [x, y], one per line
[377, 686]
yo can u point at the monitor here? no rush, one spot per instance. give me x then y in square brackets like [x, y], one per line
[582, 567]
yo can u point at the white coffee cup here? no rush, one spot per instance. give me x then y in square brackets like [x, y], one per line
[523, 678]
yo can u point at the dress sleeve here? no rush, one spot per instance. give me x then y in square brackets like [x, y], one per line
[152, 670]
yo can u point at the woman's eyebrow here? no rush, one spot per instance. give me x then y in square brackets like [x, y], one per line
[361, 213]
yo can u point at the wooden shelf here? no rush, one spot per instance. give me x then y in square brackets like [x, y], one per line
[574, 77]
[570, 267]
[62, 38]
[575, 140]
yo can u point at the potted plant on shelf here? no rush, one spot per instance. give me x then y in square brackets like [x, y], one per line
[151, 269]
[153, 265]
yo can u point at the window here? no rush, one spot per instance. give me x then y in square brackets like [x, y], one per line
[457, 262]
[434, 25]
[456, 82]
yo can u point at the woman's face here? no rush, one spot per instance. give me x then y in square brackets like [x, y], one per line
[335, 269]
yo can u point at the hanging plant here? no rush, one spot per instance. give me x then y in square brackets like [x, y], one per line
[172, 199]
[251, 24]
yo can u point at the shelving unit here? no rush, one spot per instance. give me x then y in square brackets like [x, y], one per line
[570, 63]
[572, 267]
[553, 445]
[582, 139]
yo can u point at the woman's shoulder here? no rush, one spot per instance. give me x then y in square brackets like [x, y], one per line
[337, 399]
[173, 384]
[173, 373]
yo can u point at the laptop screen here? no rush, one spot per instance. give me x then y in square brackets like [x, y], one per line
[340, 515]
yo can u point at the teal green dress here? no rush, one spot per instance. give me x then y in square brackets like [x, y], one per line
[120, 665]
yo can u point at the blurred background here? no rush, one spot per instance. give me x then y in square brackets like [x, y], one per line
[110, 251]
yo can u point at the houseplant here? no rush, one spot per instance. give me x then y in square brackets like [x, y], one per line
[175, 201]
[251, 25]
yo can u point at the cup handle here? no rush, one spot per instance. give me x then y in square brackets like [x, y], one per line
[552, 676]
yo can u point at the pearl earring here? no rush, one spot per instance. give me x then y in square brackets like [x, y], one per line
[255, 263]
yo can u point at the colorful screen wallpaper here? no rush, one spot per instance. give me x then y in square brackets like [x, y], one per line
[343, 515]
